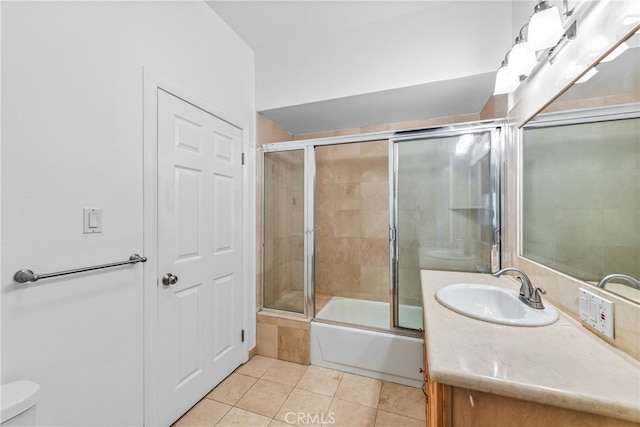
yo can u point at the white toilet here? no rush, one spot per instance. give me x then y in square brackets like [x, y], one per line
[19, 401]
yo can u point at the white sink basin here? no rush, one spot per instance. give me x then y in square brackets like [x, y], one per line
[493, 304]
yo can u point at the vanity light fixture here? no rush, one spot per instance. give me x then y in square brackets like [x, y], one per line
[616, 52]
[545, 31]
[522, 58]
[506, 80]
[545, 27]
[592, 72]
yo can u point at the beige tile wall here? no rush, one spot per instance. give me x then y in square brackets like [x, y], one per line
[352, 220]
[283, 337]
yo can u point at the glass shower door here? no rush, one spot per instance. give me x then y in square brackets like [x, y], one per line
[445, 211]
[283, 266]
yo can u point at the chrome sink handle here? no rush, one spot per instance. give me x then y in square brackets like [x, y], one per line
[535, 301]
[528, 294]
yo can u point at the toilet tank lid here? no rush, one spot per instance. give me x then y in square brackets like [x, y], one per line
[17, 397]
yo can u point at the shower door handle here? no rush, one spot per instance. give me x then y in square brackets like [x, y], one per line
[169, 279]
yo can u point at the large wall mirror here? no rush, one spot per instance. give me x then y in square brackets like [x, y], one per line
[580, 178]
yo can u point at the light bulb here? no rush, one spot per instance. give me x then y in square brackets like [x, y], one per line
[522, 59]
[506, 80]
[545, 27]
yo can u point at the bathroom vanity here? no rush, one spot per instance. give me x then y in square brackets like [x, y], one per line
[479, 373]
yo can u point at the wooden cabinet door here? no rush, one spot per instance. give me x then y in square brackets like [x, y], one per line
[438, 405]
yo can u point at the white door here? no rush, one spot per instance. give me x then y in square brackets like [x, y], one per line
[199, 253]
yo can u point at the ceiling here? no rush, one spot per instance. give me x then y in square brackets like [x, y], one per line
[454, 97]
[306, 83]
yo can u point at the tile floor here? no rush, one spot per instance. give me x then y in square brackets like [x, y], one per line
[271, 392]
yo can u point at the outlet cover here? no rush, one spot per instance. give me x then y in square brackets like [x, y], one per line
[596, 312]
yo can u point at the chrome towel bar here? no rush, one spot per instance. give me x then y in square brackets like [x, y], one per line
[24, 276]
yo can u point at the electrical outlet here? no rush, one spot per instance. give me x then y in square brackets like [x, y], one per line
[596, 312]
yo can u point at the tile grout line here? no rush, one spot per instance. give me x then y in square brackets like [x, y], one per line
[375, 419]
[295, 387]
[234, 404]
[287, 397]
[238, 400]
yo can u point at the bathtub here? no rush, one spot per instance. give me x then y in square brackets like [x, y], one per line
[376, 354]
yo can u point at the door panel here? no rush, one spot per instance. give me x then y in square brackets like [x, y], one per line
[223, 230]
[223, 299]
[445, 219]
[188, 307]
[199, 241]
[188, 184]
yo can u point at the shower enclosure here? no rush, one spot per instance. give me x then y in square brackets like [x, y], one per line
[348, 223]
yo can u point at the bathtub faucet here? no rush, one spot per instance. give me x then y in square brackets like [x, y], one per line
[528, 294]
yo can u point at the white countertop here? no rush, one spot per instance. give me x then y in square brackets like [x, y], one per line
[562, 364]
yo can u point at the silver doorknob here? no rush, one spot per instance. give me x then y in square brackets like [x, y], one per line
[169, 279]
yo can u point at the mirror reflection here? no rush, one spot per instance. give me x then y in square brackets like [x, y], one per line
[581, 177]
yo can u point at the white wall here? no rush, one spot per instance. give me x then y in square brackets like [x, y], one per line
[427, 45]
[72, 91]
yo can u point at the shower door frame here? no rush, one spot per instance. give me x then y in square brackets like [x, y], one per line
[309, 221]
[497, 132]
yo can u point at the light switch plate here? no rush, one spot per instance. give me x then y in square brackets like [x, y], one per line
[92, 220]
[596, 312]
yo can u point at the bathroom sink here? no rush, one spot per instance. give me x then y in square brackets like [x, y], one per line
[493, 304]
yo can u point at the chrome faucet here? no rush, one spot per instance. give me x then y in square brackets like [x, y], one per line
[634, 282]
[528, 294]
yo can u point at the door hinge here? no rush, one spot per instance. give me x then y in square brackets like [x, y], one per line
[243, 158]
[242, 336]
